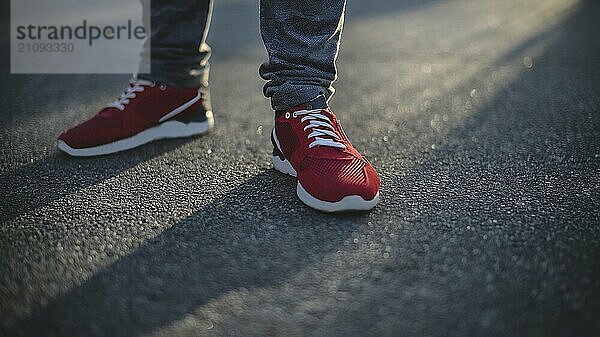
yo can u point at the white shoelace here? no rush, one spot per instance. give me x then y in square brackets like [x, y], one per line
[321, 126]
[135, 85]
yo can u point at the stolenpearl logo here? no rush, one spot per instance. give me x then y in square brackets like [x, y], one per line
[80, 36]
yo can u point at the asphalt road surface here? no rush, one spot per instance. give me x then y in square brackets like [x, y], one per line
[481, 116]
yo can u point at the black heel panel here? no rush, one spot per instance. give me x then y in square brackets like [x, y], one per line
[192, 115]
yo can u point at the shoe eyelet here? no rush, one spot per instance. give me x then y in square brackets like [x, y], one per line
[163, 87]
[287, 115]
[295, 114]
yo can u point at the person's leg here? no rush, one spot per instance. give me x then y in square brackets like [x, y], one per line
[302, 40]
[171, 101]
[178, 49]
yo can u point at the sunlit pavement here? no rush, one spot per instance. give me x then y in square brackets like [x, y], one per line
[482, 117]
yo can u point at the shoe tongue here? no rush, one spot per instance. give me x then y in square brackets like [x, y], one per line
[319, 102]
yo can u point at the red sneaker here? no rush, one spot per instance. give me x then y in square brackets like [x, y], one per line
[333, 176]
[146, 111]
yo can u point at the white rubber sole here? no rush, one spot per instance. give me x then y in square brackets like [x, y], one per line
[348, 203]
[169, 129]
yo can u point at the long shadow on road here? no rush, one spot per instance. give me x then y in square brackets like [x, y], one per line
[245, 239]
[55, 176]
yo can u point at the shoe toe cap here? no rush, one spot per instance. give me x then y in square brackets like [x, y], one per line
[93, 132]
[332, 180]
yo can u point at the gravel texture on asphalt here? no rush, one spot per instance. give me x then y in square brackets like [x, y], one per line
[482, 118]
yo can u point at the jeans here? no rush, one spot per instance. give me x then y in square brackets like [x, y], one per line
[301, 37]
